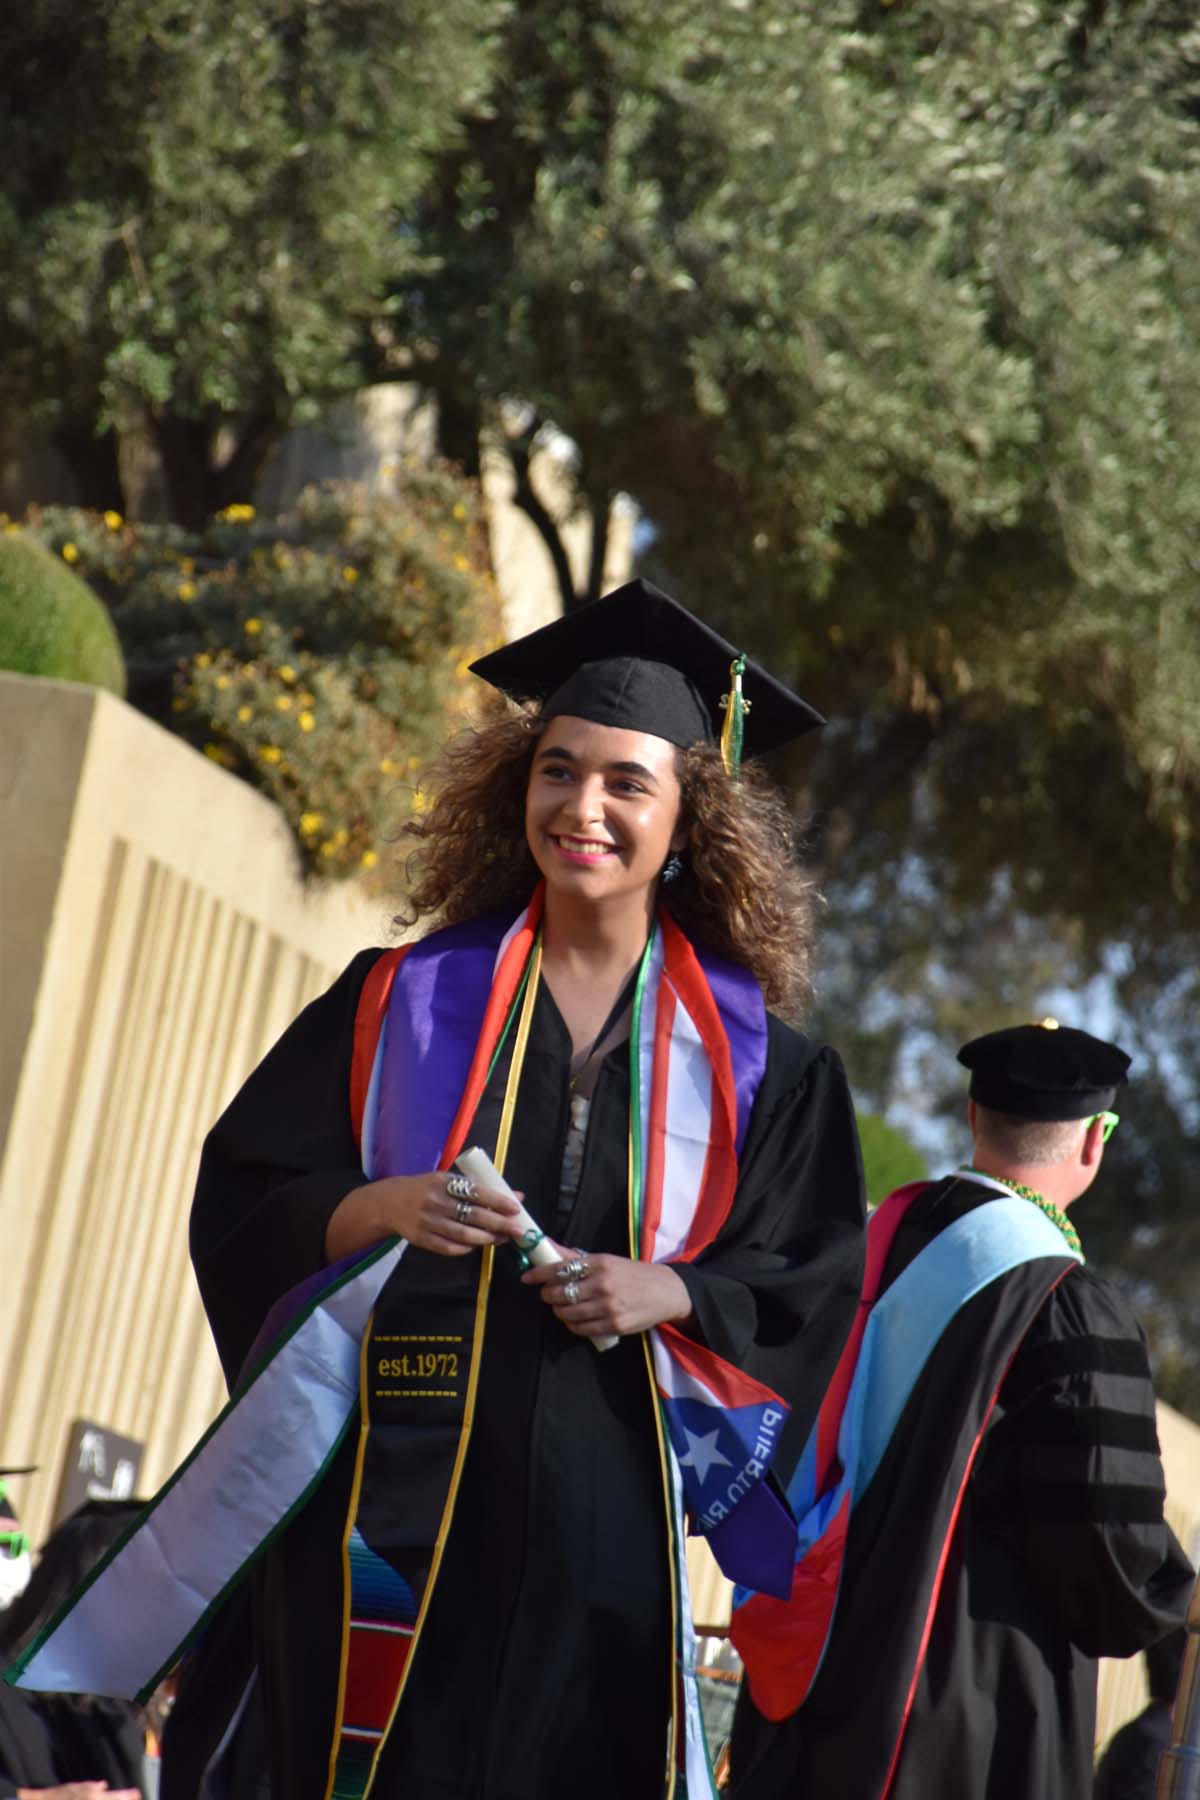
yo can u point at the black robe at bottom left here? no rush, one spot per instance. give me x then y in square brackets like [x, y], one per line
[25, 1755]
[51, 1739]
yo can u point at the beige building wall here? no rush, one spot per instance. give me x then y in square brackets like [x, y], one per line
[154, 940]
[1123, 1689]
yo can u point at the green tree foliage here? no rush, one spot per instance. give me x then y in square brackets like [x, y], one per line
[885, 316]
[906, 981]
[51, 623]
[889, 1159]
[318, 656]
[201, 209]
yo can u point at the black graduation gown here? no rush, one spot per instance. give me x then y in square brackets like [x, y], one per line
[1060, 1555]
[1128, 1770]
[97, 1739]
[26, 1759]
[545, 1662]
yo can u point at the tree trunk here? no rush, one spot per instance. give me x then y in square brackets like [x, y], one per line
[600, 507]
[458, 428]
[92, 460]
[860, 784]
[185, 446]
[198, 485]
[237, 478]
[525, 497]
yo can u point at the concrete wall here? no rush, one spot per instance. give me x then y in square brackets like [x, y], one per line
[1123, 1688]
[154, 940]
[363, 439]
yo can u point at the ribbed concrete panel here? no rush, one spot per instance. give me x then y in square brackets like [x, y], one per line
[154, 941]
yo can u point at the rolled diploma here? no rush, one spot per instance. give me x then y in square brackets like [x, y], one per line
[478, 1166]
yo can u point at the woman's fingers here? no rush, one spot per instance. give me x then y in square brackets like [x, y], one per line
[592, 1322]
[579, 1288]
[607, 1296]
[487, 1218]
[457, 1217]
[441, 1211]
[543, 1274]
[470, 1216]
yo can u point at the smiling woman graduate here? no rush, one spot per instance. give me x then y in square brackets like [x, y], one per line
[484, 1594]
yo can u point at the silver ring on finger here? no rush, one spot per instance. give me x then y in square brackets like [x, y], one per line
[462, 1212]
[575, 1270]
[460, 1187]
[571, 1293]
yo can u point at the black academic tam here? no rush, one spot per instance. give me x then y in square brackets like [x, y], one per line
[637, 659]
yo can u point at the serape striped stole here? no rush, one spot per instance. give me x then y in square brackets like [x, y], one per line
[430, 1022]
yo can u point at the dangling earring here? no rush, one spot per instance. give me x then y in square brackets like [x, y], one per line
[672, 869]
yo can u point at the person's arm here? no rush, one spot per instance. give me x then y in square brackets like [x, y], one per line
[1072, 1478]
[275, 1167]
[281, 1192]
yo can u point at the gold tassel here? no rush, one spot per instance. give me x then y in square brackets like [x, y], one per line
[735, 707]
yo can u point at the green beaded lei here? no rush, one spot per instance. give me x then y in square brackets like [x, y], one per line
[1052, 1212]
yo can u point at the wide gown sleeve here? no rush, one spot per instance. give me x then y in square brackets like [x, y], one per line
[274, 1168]
[777, 1292]
[1074, 1481]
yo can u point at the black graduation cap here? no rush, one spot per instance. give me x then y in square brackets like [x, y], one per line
[1047, 1071]
[638, 659]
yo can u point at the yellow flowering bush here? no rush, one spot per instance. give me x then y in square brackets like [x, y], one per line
[319, 655]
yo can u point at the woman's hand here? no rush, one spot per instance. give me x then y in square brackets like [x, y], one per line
[441, 1211]
[613, 1296]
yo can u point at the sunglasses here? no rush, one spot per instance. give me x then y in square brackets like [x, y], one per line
[1109, 1120]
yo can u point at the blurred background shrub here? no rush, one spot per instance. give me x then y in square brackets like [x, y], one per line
[51, 623]
[889, 1158]
[313, 655]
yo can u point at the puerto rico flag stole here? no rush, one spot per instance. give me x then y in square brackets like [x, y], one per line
[431, 1018]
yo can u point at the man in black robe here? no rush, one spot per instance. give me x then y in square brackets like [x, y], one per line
[1010, 1538]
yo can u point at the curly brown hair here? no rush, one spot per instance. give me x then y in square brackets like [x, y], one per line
[740, 892]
